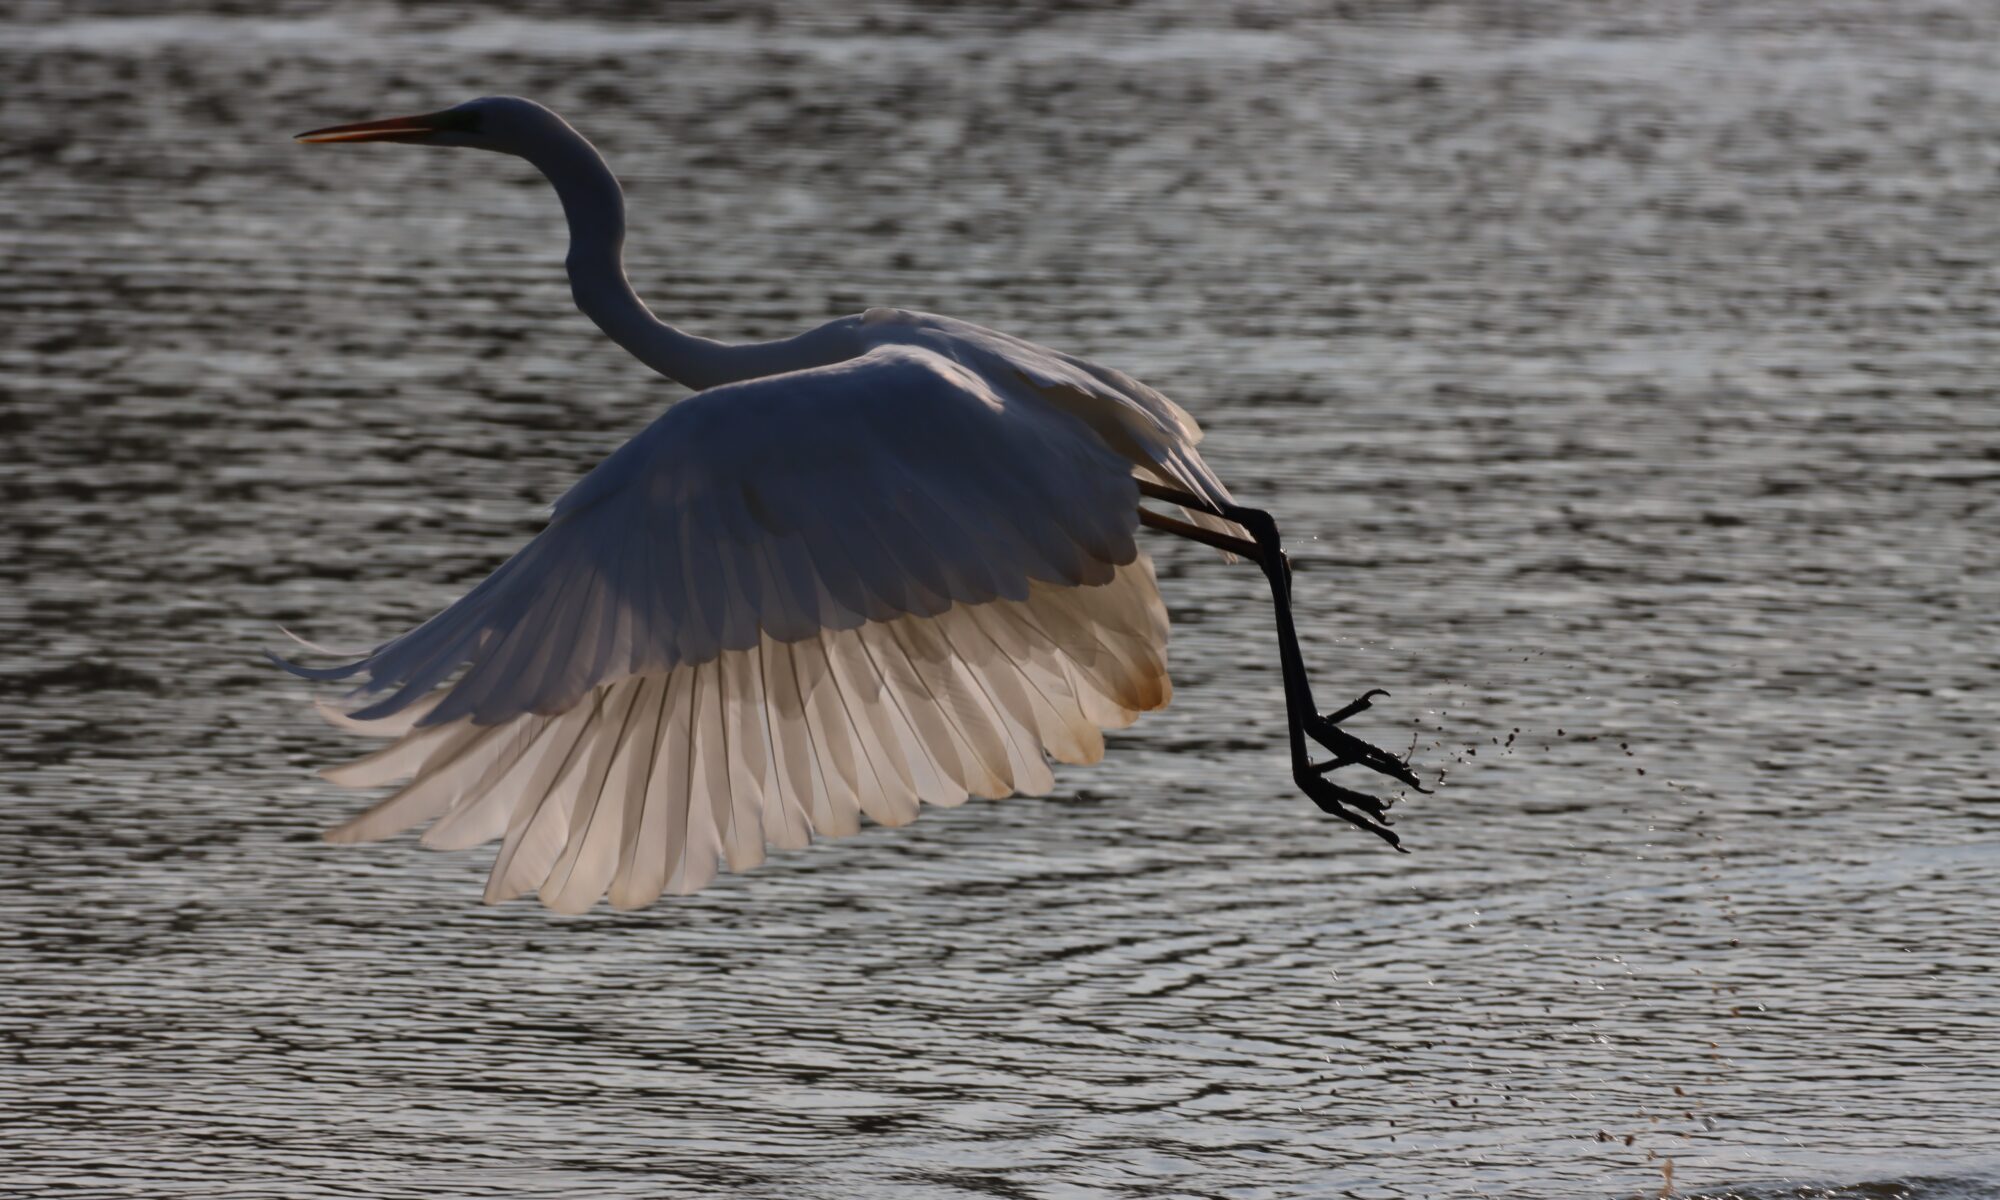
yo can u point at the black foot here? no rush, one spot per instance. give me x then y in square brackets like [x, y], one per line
[1349, 750]
[1358, 809]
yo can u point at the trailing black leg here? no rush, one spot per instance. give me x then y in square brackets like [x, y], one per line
[1303, 716]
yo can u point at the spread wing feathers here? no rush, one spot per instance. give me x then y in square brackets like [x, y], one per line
[899, 483]
[647, 781]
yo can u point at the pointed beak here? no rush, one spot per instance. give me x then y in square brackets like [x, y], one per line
[389, 129]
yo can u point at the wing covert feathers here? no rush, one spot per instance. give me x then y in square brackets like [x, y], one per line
[650, 780]
[899, 483]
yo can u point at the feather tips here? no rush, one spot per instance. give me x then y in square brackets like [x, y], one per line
[645, 783]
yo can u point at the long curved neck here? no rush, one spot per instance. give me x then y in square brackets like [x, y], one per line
[595, 207]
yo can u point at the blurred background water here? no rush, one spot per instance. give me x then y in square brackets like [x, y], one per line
[1622, 376]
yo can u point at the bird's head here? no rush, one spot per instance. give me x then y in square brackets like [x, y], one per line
[507, 124]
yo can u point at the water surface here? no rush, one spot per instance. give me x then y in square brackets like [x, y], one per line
[1622, 380]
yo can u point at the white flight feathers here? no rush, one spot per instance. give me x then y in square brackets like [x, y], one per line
[641, 785]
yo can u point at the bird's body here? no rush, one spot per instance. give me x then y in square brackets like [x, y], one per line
[891, 560]
[902, 576]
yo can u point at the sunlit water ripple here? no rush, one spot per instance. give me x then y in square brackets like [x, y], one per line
[1622, 377]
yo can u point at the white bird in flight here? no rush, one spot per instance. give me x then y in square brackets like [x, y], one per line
[889, 560]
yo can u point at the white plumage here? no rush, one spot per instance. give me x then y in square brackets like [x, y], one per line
[885, 562]
[643, 783]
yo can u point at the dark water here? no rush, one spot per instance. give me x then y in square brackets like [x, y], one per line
[1623, 375]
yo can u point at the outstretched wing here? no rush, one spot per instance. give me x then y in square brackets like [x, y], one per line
[787, 602]
[897, 483]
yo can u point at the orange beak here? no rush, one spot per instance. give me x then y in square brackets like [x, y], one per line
[389, 129]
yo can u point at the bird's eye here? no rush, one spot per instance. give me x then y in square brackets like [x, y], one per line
[459, 122]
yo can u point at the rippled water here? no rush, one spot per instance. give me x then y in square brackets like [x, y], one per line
[1622, 376]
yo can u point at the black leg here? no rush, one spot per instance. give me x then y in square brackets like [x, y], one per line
[1303, 716]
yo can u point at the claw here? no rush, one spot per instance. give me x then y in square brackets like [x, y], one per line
[1361, 704]
[1356, 808]
[1343, 803]
[1348, 749]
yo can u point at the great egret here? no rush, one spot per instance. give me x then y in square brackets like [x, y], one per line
[886, 561]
